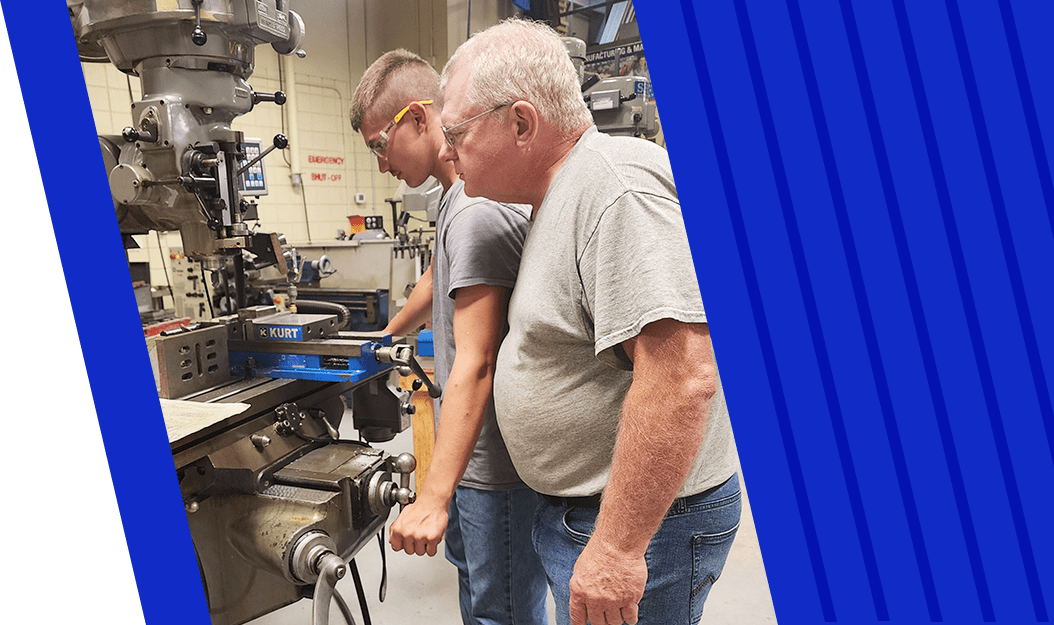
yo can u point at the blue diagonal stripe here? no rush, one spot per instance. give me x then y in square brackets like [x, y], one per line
[812, 315]
[1039, 152]
[958, 258]
[1032, 120]
[1025, 319]
[918, 316]
[750, 277]
[864, 307]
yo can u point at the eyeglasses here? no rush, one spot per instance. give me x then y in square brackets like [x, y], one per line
[380, 147]
[451, 139]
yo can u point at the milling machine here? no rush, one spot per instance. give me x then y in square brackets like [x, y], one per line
[276, 502]
[620, 105]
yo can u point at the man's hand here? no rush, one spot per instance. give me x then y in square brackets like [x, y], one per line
[606, 586]
[419, 528]
[663, 424]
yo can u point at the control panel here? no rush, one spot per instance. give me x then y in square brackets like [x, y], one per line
[252, 181]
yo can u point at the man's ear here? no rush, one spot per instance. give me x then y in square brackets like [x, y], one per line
[418, 116]
[524, 119]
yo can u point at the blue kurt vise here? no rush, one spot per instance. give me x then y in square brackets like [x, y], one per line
[296, 346]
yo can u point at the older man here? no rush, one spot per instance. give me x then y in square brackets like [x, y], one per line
[471, 492]
[606, 390]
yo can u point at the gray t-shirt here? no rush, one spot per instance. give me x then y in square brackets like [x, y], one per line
[606, 255]
[477, 242]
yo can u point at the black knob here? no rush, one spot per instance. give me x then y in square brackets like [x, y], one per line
[417, 384]
[132, 134]
[281, 141]
[198, 36]
[278, 97]
[411, 409]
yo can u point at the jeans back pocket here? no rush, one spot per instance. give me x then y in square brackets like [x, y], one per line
[709, 552]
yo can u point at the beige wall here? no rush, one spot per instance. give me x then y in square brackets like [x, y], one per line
[417, 25]
[467, 17]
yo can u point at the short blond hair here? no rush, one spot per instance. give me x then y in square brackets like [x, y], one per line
[391, 82]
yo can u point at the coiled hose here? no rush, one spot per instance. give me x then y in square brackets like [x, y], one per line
[310, 305]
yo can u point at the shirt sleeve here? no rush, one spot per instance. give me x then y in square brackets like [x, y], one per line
[636, 268]
[484, 243]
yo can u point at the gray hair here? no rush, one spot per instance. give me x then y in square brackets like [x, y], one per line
[522, 60]
[393, 81]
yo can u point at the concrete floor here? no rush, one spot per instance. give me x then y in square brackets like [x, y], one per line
[424, 590]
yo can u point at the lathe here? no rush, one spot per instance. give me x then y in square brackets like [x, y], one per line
[254, 398]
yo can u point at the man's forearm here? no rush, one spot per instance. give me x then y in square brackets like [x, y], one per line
[662, 427]
[466, 394]
[659, 437]
[478, 321]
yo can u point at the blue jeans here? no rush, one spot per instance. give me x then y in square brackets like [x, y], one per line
[488, 539]
[684, 557]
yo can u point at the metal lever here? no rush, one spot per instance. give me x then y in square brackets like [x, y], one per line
[314, 559]
[390, 495]
[333, 433]
[278, 97]
[147, 130]
[190, 327]
[404, 464]
[280, 141]
[198, 35]
[403, 355]
[402, 496]
[330, 569]
[131, 135]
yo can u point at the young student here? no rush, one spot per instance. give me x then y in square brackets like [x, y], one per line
[471, 491]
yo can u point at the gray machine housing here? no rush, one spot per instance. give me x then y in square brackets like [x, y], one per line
[621, 105]
[262, 485]
[176, 167]
[276, 501]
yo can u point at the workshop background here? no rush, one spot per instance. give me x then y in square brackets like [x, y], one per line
[313, 186]
[869, 194]
[328, 174]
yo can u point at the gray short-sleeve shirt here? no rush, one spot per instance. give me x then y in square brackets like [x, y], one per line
[606, 255]
[477, 242]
